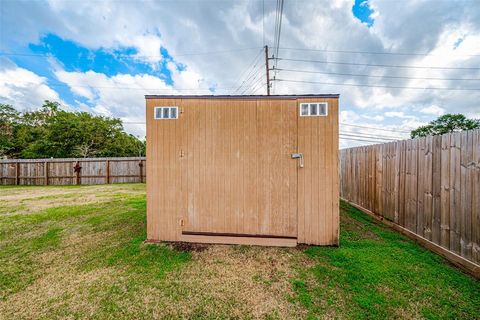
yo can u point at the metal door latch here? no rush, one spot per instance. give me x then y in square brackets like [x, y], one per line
[298, 156]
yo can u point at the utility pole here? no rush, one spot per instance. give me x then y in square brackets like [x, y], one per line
[267, 70]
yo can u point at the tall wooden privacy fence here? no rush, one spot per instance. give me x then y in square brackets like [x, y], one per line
[72, 171]
[429, 186]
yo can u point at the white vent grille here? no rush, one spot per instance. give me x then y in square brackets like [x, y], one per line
[314, 109]
[166, 113]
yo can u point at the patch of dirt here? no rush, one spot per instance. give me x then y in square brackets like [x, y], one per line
[188, 246]
[238, 281]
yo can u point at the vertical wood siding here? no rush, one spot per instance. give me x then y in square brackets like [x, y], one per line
[225, 167]
[430, 186]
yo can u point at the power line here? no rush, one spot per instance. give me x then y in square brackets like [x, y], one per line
[254, 81]
[356, 135]
[251, 77]
[366, 135]
[278, 30]
[377, 52]
[245, 72]
[252, 68]
[263, 21]
[375, 128]
[133, 55]
[377, 76]
[377, 86]
[254, 91]
[378, 65]
[365, 140]
[128, 88]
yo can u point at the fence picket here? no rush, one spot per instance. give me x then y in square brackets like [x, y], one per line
[63, 172]
[430, 186]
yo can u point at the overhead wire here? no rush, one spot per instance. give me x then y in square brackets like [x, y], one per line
[377, 65]
[377, 76]
[259, 84]
[277, 35]
[376, 52]
[258, 79]
[135, 56]
[375, 128]
[251, 77]
[254, 91]
[359, 135]
[255, 80]
[245, 71]
[279, 30]
[372, 135]
[364, 140]
[128, 88]
[251, 69]
[263, 22]
[376, 86]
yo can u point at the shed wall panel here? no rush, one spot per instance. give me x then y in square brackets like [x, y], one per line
[225, 167]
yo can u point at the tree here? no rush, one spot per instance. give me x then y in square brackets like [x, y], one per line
[8, 123]
[445, 124]
[53, 132]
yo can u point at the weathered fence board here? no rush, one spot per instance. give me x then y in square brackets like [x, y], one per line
[72, 171]
[429, 186]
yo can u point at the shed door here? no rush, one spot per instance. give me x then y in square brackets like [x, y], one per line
[241, 178]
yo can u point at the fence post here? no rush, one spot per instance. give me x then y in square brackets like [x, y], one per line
[46, 172]
[17, 173]
[107, 173]
[77, 169]
[140, 166]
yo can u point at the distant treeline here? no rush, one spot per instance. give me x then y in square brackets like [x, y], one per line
[53, 132]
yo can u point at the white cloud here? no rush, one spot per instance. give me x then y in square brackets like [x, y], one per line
[122, 95]
[193, 27]
[24, 89]
[434, 110]
[348, 116]
[373, 117]
[395, 114]
[148, 48]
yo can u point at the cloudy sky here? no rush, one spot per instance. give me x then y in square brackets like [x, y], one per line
[396, 64]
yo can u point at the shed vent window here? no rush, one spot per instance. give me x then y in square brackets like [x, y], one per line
[166, 113]
[314, 109]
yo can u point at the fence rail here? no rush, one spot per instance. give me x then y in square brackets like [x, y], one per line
[72, 171]
[429, 186]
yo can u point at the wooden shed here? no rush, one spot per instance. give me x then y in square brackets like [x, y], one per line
[259, 170]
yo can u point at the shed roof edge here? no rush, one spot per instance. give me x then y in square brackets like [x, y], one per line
[292, 96]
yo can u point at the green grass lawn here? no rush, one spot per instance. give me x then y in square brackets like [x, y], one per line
[77, 252]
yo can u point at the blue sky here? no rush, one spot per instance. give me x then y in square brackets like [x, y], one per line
[102, 57]
[72, 57]
[363, 12]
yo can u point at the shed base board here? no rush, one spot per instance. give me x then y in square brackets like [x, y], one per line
[271, 242]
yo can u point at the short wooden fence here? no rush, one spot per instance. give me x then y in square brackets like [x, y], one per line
[72, 171]
[428, 186]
